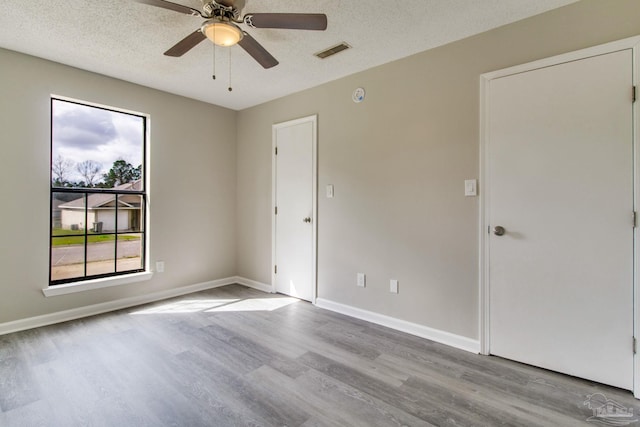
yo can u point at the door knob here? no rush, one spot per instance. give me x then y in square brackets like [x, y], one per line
[307, 219]
[498, 230]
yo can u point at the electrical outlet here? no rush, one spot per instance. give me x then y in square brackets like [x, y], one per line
[393, 286]
[362, 280]
[160, 266]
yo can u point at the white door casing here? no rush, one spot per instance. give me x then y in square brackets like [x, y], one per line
[557, 170]
[294, 208]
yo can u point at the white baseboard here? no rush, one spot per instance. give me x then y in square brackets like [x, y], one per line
[91, 310]
[253, 284]
[436, 335]
[443, 337]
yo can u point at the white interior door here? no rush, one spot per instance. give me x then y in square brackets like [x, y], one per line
[560, 172]
[294, 218]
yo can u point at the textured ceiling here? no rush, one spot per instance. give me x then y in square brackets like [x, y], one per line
[126, 40]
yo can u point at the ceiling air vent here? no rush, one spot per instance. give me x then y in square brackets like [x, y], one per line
[332, 50]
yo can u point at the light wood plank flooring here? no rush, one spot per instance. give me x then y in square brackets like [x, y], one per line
[233, 356]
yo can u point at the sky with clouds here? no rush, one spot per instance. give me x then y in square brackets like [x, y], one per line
[82, 133]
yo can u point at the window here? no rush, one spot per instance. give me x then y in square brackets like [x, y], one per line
[98, 192]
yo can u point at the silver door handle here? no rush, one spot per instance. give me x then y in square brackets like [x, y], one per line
[307, 219]
[499, 230]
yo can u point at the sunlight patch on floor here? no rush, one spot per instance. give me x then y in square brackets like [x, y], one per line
[218, 305]
[256, 304]
[186, 306]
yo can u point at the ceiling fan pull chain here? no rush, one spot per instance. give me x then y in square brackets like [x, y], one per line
[213, 75]
[230, 88]
[214, 59]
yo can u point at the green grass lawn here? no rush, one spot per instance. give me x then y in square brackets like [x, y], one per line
[78, 237]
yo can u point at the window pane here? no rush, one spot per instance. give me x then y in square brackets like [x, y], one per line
[130, 212]
[57, 199]
[130, 251]
[101, 213]
[67, 257]
[101, 254]
[68, 214]
[94, 147]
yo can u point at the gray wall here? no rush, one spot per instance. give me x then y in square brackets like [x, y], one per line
[192, 186]
[398, 162]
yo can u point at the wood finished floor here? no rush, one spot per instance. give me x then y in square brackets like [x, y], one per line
[233, 356]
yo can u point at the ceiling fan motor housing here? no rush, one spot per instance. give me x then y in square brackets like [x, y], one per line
[225, 9]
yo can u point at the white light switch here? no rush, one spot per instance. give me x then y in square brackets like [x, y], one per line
[471, 187]
[393, 286]
[160, 266]
[329, 191]
[361, 280]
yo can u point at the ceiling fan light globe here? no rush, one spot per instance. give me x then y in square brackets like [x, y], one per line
[222, 33]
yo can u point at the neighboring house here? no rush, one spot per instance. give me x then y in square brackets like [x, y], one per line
[101, 211]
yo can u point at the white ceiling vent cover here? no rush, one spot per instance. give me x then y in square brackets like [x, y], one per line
[332, 50]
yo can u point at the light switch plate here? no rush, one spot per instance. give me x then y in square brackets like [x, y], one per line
[471, 187]
[361, 280]
[329, 191]
[393, 286]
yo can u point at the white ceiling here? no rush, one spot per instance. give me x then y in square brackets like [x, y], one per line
[126, 40]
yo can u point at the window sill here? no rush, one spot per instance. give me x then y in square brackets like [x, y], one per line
[88, 285]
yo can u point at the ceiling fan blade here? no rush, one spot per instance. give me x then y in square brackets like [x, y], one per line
[290, 21]
[186, 44]
[171, 6]
[259, 53]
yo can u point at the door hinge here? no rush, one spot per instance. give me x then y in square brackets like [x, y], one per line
[635, 345]
[275, 269]
[633, 94]
[276, 151]
[634, 218]
[276, 210]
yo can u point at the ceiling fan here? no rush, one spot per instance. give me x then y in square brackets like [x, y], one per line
[220, 26]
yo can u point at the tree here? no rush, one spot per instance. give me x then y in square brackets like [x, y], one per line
[89, 170]
[120, 173]
[60, 169]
